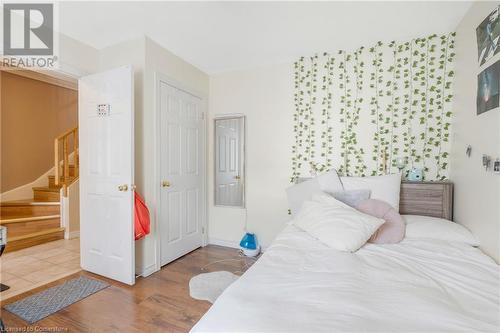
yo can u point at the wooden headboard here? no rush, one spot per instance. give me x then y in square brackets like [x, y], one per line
[427, 198]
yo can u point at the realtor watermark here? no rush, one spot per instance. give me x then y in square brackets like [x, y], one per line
[28, 35]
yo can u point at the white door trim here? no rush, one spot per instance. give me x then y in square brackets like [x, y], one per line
[160, 77]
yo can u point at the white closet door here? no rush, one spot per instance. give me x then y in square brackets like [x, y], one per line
[181, 139]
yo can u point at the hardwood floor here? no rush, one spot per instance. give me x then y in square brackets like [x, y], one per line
[158, 303]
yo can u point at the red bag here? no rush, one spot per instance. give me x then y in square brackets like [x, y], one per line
[141, 217]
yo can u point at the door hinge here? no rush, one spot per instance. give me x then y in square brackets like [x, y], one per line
[203, 230]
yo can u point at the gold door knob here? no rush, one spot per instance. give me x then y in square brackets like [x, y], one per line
[123, 188]
[236, 177]
[165, 183]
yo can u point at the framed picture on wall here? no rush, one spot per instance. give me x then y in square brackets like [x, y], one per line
[488, 35]
[488, 82]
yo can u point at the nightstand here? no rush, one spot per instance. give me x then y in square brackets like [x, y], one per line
[427, 198]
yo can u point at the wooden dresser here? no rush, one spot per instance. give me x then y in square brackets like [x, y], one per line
[427, 198]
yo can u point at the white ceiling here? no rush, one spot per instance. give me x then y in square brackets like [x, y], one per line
[223, 36]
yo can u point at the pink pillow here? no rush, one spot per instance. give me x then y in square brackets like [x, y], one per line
[393, 230]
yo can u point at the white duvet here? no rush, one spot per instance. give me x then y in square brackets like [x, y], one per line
[300, 285]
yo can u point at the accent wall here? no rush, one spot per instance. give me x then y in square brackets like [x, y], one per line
[360, 111]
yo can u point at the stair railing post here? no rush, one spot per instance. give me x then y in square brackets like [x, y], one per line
[56, 161]
[66, 160]
[75, 151]
[62, 172]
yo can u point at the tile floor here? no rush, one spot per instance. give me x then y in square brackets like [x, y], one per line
[38, 265]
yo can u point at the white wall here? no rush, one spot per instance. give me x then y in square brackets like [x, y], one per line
[133, 52]
[147, 57]
[157, 59]
[70, 211]
[265, 96]
[77, 58]
[477, 192]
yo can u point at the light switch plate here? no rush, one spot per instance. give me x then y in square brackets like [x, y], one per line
[103, 110]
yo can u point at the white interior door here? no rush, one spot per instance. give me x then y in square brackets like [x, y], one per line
[181, 165]
[228, 170]
[106, 129]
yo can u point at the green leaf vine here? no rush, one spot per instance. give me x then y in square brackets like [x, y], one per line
[391, 99]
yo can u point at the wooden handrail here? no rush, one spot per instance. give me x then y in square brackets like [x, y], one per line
[61, 163]
[67, 133]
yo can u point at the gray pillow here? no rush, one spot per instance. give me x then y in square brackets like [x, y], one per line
[352, 197]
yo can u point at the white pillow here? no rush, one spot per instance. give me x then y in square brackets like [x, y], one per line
[435, 228]
[335, 224]
[329, 182]
[301, 192]
[385, 188]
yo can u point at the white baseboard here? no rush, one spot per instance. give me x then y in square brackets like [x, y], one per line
[71, 235]
[221, 242]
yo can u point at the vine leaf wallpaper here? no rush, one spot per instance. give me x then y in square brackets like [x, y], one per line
[390, 99]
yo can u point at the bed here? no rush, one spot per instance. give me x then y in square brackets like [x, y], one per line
[417, 285]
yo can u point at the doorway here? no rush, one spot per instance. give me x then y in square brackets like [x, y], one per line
[39, 157]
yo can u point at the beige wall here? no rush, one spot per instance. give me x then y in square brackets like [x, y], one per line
[265, 96]
[477, 192]
[33, 113]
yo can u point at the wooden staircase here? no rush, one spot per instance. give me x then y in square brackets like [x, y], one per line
[38, 220]
[32, 222]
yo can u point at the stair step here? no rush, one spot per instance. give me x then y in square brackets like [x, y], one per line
[28, 208]
[52, 181]
[46, 194]
[35, 238]
[26, 202]
[46, 189]
[17, 227]
[27, 219]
